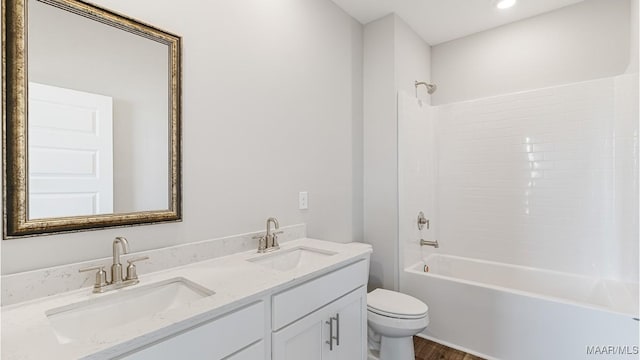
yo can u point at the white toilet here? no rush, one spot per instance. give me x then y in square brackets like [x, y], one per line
[393, 319]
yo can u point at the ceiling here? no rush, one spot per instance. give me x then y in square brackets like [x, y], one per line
[437, 21]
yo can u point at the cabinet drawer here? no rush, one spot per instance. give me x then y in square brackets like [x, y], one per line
[213, 340]
[303, 299]
[253, 352]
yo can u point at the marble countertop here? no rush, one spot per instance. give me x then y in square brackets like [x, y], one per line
[28, 334]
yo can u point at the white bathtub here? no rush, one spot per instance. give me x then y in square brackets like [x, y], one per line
[503, 311]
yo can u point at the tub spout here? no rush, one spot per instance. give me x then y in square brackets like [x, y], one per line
[429, 243]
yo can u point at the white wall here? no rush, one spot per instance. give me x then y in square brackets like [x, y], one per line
[73, 52]
[380, 149]
[394, 57]
[357, 137]
[585, 41]
[634, 38]
[412, 60]
[544, 178]
[271, 90]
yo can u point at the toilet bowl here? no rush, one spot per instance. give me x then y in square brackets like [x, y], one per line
[393, 318]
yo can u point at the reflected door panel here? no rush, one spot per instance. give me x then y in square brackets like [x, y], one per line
[70, 152]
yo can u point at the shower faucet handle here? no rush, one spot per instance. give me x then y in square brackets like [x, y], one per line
[422, 221]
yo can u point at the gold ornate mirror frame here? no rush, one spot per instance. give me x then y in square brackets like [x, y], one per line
[15, 120]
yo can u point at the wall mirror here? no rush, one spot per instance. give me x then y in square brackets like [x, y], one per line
[91, 119]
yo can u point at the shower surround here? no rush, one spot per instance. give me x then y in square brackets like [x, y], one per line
[544, 179]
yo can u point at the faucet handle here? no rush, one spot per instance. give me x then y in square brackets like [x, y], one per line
[101, 276]
[132, 274]
[141, 258]
[274, 239]
[262, 242]
[97, 267]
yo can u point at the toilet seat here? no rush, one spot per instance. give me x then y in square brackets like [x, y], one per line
[395, 305]
[395, 327]
[395, 316]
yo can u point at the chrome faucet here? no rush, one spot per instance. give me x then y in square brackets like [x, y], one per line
[118, 280]
[272, 238]
[269, 242]
[116, 268]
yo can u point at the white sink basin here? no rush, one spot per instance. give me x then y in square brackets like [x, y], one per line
[81, 320]
[290, 259]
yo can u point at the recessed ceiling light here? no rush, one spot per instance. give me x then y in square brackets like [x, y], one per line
[505, 4]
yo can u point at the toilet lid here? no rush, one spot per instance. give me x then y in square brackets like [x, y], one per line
[394, 304]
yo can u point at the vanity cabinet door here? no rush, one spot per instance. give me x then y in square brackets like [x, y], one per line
[351, 329]
[301, 340]
[309, 338]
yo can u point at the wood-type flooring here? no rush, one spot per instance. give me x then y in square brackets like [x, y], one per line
[429, 350]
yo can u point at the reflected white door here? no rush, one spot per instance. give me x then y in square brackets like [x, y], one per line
[70, 152]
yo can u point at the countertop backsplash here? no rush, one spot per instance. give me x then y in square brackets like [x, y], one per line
[35, 284]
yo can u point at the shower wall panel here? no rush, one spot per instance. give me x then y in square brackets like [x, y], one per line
[545, 178]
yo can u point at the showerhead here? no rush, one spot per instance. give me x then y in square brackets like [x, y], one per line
[431, 88]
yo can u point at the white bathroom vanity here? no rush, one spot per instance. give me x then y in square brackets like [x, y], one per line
[305, 300]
